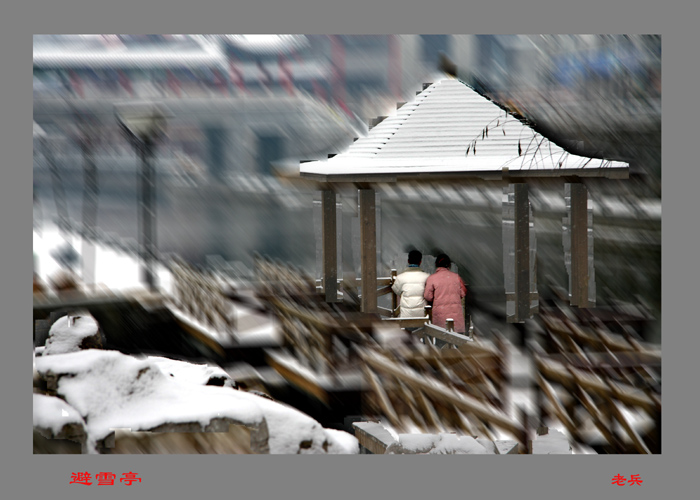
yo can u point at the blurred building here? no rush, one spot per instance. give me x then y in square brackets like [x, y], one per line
[334, 84]
[145, 66]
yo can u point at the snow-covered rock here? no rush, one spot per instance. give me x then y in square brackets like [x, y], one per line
[198, 374]
[56, 419]
[111, 390]
[72, 333]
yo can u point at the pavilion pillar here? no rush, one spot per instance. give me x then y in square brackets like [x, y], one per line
[522, 251]
[330, 249]
[368, 250]
[579, 245]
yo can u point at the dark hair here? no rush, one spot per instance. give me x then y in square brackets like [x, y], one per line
[443, 260]
[415, 257]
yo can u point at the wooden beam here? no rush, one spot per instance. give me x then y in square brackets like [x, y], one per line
[639, 443]
[297, 377]
[568, 376]
[450, 337]
[330, 248]
[407, 322]
[368, 250]
[373, 436]
[557, 408]
[579, 245]
[381, 281]
[383, 311]
[449, 396]
[394, 297]
[382, 396]
[522, 252]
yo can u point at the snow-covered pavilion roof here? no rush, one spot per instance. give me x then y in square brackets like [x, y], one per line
[450, 130]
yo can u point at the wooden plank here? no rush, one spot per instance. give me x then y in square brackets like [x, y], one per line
[431, 386]
[330, 249]
[559, 410]
[455, 356]
[406, 322]
[567, 375]
[601, 340]
[446, 336]
[298, 379]
[382, 396]
[522, 252]
[410, 400]
[394, 297]
[383, 311]
[199, 335]
[373, 436]
[368, 250]
[432, 418]
[464, 422]
[579, 245]
[381, 281]
[631, 432]
[598, 419]
[322, 323]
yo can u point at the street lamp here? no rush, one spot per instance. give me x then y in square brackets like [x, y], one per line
[87, 134]
[145, 124]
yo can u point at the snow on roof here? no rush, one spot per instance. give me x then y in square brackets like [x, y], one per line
[112, 390]
[68, 333]
[451, 129]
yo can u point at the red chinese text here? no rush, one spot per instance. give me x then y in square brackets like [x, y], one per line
[129, 477]
[80, 478]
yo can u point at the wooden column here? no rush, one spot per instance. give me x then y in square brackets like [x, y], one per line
[579, 245]
[522, 252]
[330, 249]
[368, 250]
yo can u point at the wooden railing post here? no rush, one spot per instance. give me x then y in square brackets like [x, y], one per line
[394, 297]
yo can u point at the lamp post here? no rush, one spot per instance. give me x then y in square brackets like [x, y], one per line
[87, 136]
[144, 124]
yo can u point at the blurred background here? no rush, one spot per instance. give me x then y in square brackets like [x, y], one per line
[245, 108]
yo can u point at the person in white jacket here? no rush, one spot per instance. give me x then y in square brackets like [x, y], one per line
[409, 287]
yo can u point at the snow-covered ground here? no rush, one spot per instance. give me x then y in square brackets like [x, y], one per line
[118, 272]
[113, 269]
[106, 390]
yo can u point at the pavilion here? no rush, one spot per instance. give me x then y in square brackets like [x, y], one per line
[451, 133]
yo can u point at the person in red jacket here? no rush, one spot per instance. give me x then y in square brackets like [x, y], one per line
[445, 290]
